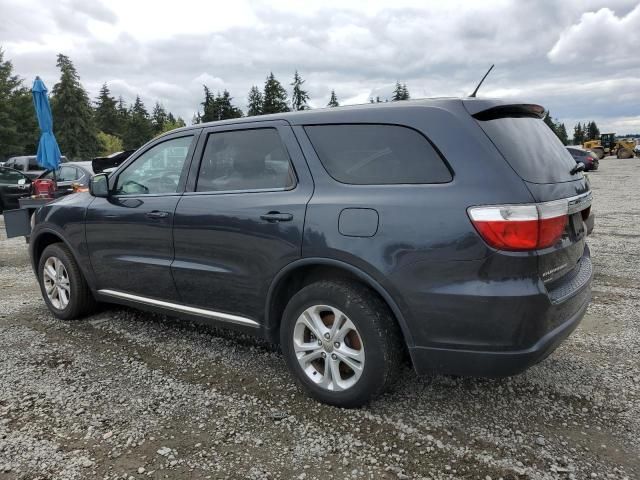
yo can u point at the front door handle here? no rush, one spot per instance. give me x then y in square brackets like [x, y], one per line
[277, 217]
[157, 214]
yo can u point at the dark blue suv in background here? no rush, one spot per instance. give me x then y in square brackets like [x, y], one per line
[451, 230]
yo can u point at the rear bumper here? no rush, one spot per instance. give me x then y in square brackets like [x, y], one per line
[546, 325]
[491, 363]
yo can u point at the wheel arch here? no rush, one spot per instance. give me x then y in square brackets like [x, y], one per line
[302, 272]
[45, 237]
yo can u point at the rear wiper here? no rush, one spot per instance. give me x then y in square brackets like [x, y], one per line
[578, 168]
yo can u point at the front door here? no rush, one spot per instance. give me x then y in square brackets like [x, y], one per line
[129, 233]
[243, 220]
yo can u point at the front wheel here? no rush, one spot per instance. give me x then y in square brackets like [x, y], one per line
[63, 287]
[341, 343]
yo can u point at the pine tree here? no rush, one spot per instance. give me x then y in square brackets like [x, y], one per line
[73, 121]
[106, 113]
[333, 101]
[578, 134]
[225, 107]
[209, 108]
[218, 107]
[123, 117]
[274, 96]
[254, 102]
[405, 92]
[593, 132]
[299, 97]
[159, 118]
[561, 131]
[548, 120]
[398, 93]
[19, 132]
[140, 128]
[196, 119]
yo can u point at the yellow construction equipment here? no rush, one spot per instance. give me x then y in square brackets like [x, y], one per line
[608, 145]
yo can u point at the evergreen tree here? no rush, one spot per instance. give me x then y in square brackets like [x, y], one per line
[73, 121]
[299, 97]
[578, 134]
[548, 120]
[218, 107]
[140, 128]
[398, 93]
[405, 92]
[561, 131]
[196, 119]
[274, 96]
[159, 118]
[19, 131]
[254, 102]
[106, 113]
[593, 132]
[333, 101]
[209, 113]
[123, 117]
[226, 110]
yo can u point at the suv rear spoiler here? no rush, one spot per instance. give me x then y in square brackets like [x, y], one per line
[493, 109]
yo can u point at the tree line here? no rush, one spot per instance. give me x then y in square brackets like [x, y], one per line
[87, 128]
[582, 132]
[83, 128]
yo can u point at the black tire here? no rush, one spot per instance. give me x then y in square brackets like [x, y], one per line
[81, 301]
[381, 340]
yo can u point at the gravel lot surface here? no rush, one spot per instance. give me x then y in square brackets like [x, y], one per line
[132, 395]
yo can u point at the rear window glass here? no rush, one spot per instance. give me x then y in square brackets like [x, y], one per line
[377, 154]
[531, 148]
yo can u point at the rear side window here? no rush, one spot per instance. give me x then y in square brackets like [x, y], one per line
[531, 148]
[241, 160]
[377, 154]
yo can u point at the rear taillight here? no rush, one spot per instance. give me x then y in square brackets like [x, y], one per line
[521, 227]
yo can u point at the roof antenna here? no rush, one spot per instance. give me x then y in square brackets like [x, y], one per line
[473, 95]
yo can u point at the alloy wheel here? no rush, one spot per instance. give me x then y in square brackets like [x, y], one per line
[329, 348]
[56, 283]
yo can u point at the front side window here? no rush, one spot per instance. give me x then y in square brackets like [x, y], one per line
[156, 171]
[377, 154]
[245, 160]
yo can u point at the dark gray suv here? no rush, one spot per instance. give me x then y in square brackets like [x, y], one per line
[451, 230]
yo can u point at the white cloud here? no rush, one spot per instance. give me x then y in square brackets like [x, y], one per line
[600, 37]
[544, 51]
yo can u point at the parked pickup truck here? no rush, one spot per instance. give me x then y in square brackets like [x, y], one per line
[28, 165]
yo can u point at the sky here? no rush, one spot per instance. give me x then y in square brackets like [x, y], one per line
[578, 58]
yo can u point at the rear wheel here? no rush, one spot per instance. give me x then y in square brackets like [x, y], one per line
[341, 343]
[63, 286]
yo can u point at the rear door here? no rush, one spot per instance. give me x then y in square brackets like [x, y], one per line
[129, 233]
[243, 219]
[544, 164]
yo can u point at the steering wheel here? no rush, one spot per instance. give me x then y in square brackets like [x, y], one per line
[138, 187]
[169, 182]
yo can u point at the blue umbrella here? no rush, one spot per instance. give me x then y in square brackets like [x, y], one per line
[48, 150]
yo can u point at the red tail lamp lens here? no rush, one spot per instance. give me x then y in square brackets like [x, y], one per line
[521, 227]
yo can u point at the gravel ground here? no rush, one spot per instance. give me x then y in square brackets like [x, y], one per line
[132, 395]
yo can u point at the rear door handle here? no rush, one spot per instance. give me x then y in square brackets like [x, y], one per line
[277, 217]
[157, 214]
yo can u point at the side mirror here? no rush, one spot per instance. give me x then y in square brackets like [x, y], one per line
[99, 185]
